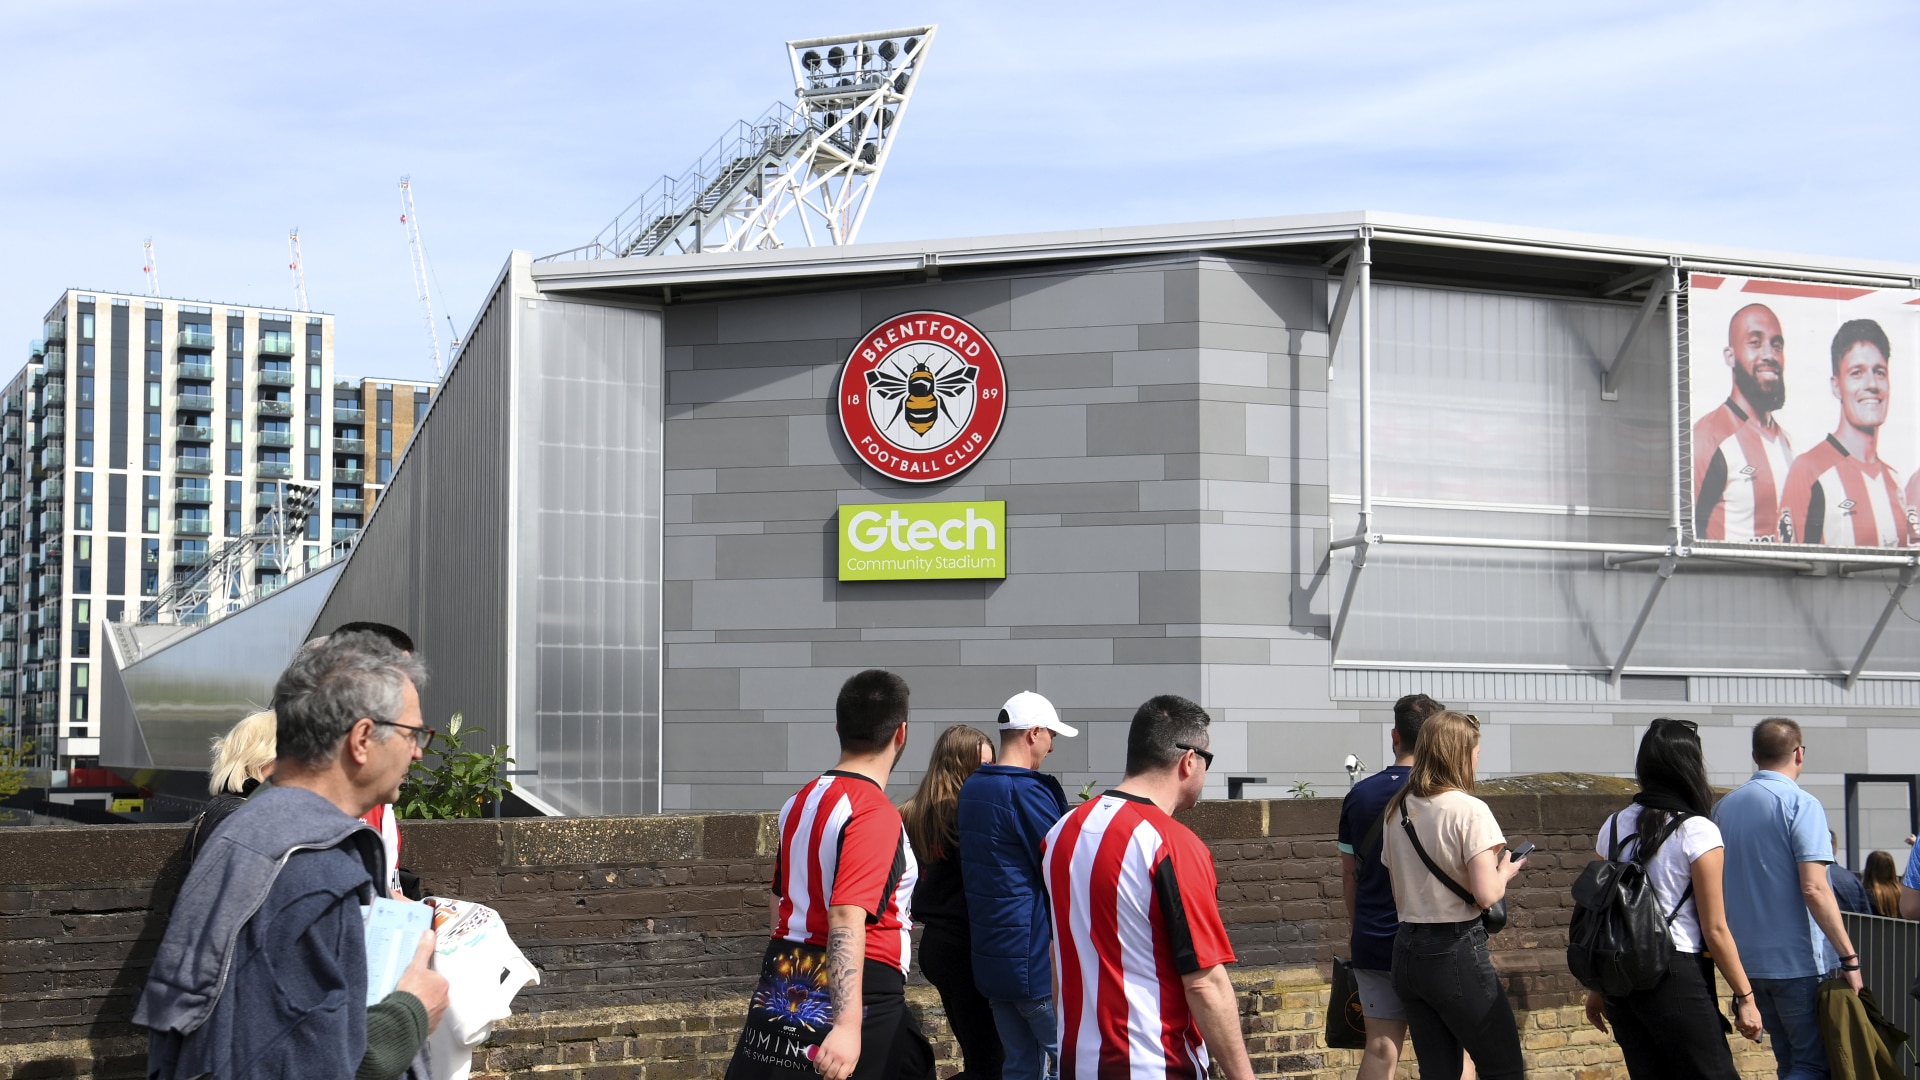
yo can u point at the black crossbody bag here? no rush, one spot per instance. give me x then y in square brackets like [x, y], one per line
[1493, 919]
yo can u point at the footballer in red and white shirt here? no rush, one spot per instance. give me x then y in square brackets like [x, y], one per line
[1840, 492]
[1138, 944]
[842, 842]
[1740, 454]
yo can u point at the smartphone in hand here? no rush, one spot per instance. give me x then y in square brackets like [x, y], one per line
[1520, 851]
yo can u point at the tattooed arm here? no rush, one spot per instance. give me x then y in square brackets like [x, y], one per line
[846, 953]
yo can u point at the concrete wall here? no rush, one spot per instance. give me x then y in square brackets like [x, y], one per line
[1164, 466]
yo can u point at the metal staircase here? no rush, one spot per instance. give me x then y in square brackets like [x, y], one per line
[821, 156]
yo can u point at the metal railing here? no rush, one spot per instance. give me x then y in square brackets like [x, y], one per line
[194, 433]
[194, 526]
[194, 402]
[1889, 958]
[201, 493]
[350, 446]
[349, 476]
[56, 361]
[54, 330]
[275, 408]
[190, 338]
[277, 469]
[271, 377]
[277, 343]
[193, 463]
[276, 438]
[196, 369]
[349, 416]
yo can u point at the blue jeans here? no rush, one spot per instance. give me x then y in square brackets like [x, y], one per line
[1789, 1012]
[1028, 1036]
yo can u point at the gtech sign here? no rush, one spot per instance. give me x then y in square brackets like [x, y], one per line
[922, 396]
[921, 541]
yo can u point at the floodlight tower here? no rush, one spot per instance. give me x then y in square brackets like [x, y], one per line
[151, 269]
[815, 162]
[299, 272]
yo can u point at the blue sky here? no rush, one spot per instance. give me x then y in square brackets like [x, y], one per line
[213, 128]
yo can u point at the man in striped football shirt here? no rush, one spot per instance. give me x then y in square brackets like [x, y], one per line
[1139, 950]
[843, 882]
[1840, 493]
[1740, 455]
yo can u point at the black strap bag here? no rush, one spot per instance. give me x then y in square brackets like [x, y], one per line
[1346, 1020]
[1620, 941]
[1493, 919]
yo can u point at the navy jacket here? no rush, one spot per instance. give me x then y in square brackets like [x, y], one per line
[263, 968]
[1005, 812]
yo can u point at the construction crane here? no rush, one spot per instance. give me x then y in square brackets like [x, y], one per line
[422, 271]
[816, 161]
[152, 269]
[299, 274]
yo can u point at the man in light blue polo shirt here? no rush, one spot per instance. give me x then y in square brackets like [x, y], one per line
[1779, 905]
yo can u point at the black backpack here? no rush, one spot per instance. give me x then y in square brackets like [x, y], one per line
[1620, 941]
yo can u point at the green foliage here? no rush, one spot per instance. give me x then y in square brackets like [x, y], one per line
[1303, 789]
[13, 775]
[1086, 793]
[463, 781]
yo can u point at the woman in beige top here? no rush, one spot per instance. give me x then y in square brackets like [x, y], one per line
[1441, 970]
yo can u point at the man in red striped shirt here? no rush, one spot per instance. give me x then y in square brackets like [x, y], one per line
[1840, 492]
[1740, 455]
[1139, 950]
[841, 924]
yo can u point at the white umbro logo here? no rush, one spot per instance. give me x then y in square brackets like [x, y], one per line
[1846, 505]
[1748, 470]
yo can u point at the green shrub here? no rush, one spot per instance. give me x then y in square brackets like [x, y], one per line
[462, 782]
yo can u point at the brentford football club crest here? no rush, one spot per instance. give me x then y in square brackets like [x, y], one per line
[922, 396]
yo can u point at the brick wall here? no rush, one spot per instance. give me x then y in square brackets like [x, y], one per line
[648, 933]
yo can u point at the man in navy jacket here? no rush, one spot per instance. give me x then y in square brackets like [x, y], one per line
[1005, 812]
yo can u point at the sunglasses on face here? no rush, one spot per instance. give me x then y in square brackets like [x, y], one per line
[1206, 756]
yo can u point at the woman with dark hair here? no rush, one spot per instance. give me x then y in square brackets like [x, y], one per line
[1883, 885]
[1453, 999]
[1675, 1028]
[940, 898]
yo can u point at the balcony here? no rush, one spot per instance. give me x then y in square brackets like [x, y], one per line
[13, 404]
[349, 446]
[269, 407]
[276, 343]
[276, 438]
[343, 533]
[56, 361]
[49, 585]
[273, 377]
[193, 526]
[278, 470]
[53, 457]
[191, 402]
[193, 463]
[54, 330]
[200, 494]
[53, 427]
[10, 631]
[51, 488]
[349, 476]
[56, 394]
[196, 369]
[9, 546]
[195, 337]
[51, 521]
[189, 558]
[10, 519]
[349, 506]
[199, 433]
[349, 416]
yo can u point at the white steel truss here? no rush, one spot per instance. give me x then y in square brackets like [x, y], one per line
[803, 173]
[225, 583]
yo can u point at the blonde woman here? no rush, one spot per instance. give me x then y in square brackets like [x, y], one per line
[242, 760]
[940, 899]
[1454, 1001]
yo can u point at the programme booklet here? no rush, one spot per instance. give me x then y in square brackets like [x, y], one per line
[393, 933]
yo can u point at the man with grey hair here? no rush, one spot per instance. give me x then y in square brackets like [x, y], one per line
[263, 969]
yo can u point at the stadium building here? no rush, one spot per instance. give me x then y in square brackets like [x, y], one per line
[1292, 468]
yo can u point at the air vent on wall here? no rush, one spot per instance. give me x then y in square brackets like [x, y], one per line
[1653, 688]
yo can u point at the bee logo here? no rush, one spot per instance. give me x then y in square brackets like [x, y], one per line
[922, 396]
[923, 393]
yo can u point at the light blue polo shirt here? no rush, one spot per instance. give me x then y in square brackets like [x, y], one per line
[1771, 826]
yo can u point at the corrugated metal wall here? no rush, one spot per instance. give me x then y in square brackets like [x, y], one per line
[433, 559]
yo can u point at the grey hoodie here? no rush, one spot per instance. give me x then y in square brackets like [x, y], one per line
[244, 987]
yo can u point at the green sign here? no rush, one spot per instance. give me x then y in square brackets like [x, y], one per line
[923, 541]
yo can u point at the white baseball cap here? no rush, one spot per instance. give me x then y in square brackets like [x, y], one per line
[1027, 709]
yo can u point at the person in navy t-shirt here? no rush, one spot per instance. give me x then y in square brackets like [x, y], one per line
[1369, 891]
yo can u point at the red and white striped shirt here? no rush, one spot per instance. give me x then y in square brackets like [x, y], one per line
[387, 820]
[1739, 473]
[1134, 909]
[1835, 498]
[842, 842]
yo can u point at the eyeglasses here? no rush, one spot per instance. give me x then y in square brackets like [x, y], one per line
[1661, 720]
[1206, 756]
[422, 735]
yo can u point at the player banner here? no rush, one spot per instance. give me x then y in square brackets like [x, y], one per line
[1804, 408]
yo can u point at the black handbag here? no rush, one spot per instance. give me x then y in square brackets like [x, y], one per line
[1493, 919]
[1346, 1021]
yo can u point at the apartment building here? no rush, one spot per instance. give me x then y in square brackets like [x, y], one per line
[373, 420]
[143, 434]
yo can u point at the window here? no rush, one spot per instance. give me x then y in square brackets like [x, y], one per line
[386, 470]
[153, 455]
[83, 393]
[386, 439]
[386, 410]
[153, 395]
[149, 571]
[312, 554]
[153, 424]
[313, 527]
[235, 459]
[313, 370]
[83, 549]
[235, 526]
[313, 436]
[236, 431]
[152, 491]
[153, 363]
[236, 341]
[83, 452]
[83, 516]
[86, 324]
[313, 466]
[234, 488]
[83, 486]
[153, 331]
[83, 422]
[236, 401]
[153, 519]
[313, 406]
[86, 358]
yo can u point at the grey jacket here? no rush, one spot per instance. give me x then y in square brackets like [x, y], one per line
[262, 971]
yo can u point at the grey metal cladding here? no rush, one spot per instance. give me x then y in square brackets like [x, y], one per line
[433, 557]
